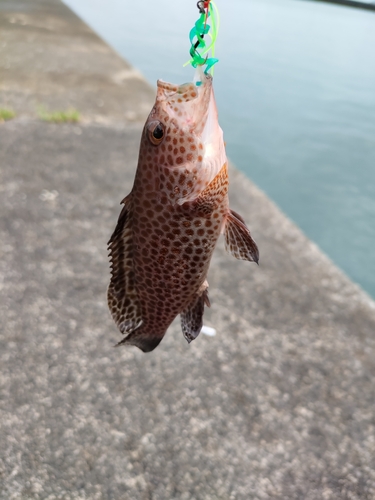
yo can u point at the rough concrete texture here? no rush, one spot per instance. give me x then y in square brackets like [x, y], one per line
[50, 59]
[279, 405]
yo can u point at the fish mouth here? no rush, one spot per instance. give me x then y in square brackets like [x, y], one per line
[188, 104]
[191, 109]
[201, 80]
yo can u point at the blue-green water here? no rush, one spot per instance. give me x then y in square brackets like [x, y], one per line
[295, 88]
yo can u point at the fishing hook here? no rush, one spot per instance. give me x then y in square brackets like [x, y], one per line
[201, 6]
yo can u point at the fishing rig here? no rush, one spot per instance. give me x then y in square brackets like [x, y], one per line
[202, 50]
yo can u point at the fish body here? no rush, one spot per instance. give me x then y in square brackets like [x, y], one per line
[162, 246]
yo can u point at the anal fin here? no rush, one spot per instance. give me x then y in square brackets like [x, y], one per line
[122, 296]
[238, 240]
[192, 317]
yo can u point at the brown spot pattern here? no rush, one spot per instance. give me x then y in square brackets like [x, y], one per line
[161, 255]
[172, 252]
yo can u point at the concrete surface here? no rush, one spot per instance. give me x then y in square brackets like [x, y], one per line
[279, 405]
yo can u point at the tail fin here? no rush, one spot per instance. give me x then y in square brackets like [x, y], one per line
[142, 339]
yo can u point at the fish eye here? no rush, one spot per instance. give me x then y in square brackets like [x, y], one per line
[156, 133]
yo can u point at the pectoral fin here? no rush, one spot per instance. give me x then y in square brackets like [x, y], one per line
[122, 296]
[238, 240]
[192, 317]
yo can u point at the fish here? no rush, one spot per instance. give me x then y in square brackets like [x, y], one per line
[161, 248]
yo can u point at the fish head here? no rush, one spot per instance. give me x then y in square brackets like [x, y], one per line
[182, 138]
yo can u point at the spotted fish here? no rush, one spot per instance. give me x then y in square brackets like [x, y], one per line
[167, 230]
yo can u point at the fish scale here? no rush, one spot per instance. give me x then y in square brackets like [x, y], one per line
[162, 246]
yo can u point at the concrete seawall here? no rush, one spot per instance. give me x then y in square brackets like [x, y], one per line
[278, 405]
[351, 3]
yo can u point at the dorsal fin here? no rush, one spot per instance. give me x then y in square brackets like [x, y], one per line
[122, 296]
[238, 240]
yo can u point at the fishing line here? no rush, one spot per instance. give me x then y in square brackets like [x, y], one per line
[199, 45]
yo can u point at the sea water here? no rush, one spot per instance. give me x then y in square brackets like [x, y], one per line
[295, 89]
